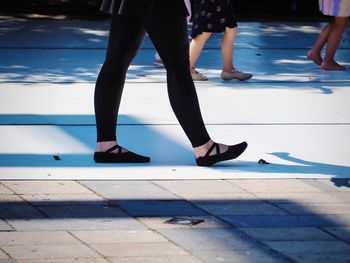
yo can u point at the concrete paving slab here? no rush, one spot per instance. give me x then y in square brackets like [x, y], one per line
[65, 260]
[199, 187]
[4, 190]
[21, 210]
[274, 185]
[129, 190]
[3, 255]
[238, 198]
[336, 185]
[287, 234]
[57, 187]
[341, 232]
[231, 208]
[239, 256]
[69, 224]
[162, 208]
[173, 259]
[83, 211]
[209, 239]
[303, 198]
[288, 221]
[119, 237]
[342, 196]
[322, 209]
[156, 223]
[339, 258]
[37, 238]
[215, 190]
[64, 199]
[10, 199]
[140, 250]
[309, 247]
[4, 226]
[50, 251]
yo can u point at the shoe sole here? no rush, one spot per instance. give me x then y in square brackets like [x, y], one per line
[128, 157]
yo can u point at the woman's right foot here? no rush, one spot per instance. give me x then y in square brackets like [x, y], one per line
[231, 152]
[316, 58]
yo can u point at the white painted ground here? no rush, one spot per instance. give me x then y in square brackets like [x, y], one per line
[302, 131]
[292, 114]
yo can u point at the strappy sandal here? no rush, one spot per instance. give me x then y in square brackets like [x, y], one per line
[119, 156]
[232, 152]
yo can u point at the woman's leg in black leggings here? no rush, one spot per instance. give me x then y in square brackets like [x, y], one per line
[170, 37]
[126, 36]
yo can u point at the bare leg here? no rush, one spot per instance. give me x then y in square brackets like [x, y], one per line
[315, 53]
[333, 42]
[196, 47]
[227, 44]
[229, 72]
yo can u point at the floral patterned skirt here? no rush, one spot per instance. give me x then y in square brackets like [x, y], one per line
[212, 16]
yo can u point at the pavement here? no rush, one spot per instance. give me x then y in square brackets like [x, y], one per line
[56, 205]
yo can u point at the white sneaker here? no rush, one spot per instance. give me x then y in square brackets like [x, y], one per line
[235, 74]
[198, 76]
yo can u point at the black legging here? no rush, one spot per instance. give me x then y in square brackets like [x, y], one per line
[169, 36]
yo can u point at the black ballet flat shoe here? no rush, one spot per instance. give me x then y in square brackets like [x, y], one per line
[119, 157]
[232, 152]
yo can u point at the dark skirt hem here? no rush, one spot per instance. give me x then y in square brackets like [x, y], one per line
[198, 32]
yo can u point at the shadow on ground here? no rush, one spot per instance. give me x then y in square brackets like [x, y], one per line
[237, 227]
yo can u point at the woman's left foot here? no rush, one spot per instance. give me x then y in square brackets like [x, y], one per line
[332, 66]
[232, 152]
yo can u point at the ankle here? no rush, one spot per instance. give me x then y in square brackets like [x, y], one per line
[329, 61]
[105, 145]
[202, 150]
[314, 52]
[229, 69]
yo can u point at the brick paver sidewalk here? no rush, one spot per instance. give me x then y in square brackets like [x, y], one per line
[272, 220]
